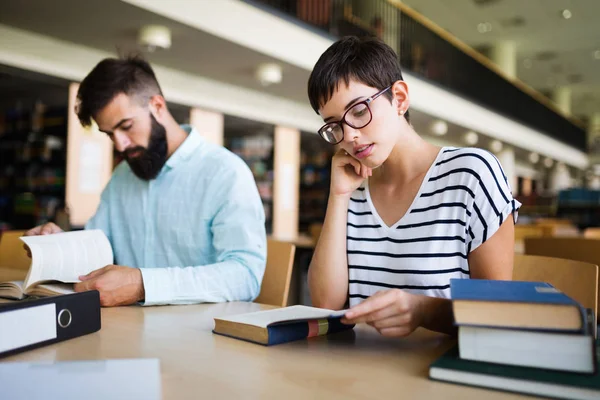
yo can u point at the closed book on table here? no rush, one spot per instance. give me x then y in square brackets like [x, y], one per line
[514, 304]
[30, 324]
[281, 325]
[534, 381]
[562, 351]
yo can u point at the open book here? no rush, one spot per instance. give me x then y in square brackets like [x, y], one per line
[57, 261]
[281, 325]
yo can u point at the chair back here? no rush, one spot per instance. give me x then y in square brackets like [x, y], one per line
[275, 287]
[12, 253]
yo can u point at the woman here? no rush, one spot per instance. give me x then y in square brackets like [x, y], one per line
[404, 216]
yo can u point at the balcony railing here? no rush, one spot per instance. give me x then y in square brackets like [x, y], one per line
[429, 52]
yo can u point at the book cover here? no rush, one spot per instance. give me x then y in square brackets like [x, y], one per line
[514, 304]
[563, 385]
[287, 324]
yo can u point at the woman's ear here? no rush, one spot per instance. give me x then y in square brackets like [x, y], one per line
[400, 97]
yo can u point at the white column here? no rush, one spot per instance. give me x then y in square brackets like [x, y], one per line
[209, 124]
[594, 138]
[504, 55]
[562, 98]
[560, 178]
[507, 160]
[286, 185]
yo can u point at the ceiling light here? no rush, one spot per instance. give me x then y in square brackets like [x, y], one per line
[527, 63]
[269, 74]
[496, 146]
[597, 54]
[471, 138]
[154, 36]
[566, 13]
[548, 162]
[439, 127]
[534, 158]
[484, 27]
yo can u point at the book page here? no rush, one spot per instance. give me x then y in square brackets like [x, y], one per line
[294, 313]
[65, 256]
[12, 290]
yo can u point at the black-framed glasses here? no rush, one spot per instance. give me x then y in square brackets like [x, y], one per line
[358, 116]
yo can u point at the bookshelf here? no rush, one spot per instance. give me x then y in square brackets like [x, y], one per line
[253, 142]
[315, 173]
[33, 138]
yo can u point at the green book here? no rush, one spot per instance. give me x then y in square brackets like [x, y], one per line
[562, 385]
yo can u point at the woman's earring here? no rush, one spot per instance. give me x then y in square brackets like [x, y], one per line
[401, 112]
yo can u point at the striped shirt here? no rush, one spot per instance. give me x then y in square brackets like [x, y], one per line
[462, 201]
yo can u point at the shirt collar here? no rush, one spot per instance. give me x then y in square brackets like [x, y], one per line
[185, 149]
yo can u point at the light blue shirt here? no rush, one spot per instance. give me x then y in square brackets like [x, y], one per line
[197, 231]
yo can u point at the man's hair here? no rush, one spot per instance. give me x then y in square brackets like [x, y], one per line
[367, 60]
[132, 76]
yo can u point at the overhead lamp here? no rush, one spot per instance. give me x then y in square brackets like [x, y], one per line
[471, 138]
[154, 37]
[484, 27]
[534, 158]
[566, 13]
[439, 127]
[269, 74]
[596, 54]
[548, 162]
[496, 146]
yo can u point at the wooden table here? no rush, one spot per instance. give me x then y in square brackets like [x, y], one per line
[195, 363]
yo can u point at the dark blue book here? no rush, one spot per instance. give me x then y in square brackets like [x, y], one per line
[281, 325]
[515, 305]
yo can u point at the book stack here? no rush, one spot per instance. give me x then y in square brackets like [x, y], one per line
[524, 337]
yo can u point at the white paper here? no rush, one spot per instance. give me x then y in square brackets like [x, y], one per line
[20, 328]
[65, 256]
[90, 167]
[267, 317]
[129, 379]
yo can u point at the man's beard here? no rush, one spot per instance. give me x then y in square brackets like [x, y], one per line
[150, 160]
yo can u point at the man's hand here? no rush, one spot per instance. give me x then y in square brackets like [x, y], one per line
[392, 312]
[46, 229]
[118, 285]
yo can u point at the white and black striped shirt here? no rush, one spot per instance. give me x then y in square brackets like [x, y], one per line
[463, 200]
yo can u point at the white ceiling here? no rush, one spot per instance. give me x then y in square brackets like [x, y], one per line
[539, 30]
[112, 25]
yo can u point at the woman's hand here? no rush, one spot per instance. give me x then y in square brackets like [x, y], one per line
[392, 312]
[347, 173]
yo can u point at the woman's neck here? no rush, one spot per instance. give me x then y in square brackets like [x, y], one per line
[410, 158]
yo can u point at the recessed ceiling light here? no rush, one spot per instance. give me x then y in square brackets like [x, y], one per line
[566, 13]
[527, 63]
[484, 27]
[534, 157]
[548, 162]
[597, 54]
[496, 146]
[471, 138]
[268, 74]
[439, 127]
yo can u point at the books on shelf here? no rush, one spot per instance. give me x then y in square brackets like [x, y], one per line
[281, 325]
[57, 261]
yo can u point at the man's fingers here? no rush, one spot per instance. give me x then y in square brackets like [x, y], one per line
[34, 231]
[93, 274]
[84, 286]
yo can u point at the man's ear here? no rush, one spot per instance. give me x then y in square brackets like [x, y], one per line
[400, 97]
[158, 106]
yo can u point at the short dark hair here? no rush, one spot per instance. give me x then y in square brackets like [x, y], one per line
[367, 60]
[132, 76]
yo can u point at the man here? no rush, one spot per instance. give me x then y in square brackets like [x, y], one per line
[183, 216]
